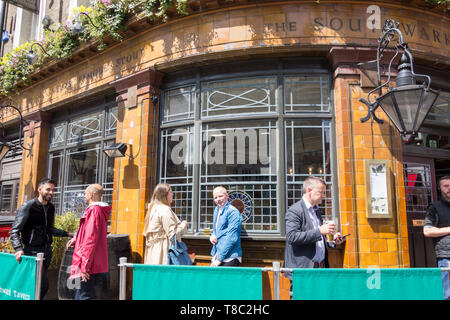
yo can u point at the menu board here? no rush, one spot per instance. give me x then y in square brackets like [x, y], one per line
[378, 185]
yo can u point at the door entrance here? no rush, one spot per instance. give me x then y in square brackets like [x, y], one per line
[420, 191]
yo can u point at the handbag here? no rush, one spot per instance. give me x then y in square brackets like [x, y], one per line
[178, 254]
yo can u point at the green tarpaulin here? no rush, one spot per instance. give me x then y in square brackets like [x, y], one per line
[154, 282]
[17, 280]
[367, 284]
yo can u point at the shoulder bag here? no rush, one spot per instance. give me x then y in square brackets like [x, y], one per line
[178, 254]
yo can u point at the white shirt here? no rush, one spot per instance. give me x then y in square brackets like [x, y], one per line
[320, 245]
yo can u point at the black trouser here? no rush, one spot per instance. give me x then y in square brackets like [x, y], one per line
[47, 250]
[232, 263]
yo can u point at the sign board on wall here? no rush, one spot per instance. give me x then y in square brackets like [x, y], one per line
[31, 5]
[378, 186]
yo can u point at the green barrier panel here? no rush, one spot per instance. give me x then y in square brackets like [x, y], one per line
[17, 280]
[367, 284]
[155, 282]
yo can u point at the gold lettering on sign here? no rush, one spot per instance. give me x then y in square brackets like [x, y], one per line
[129, 58]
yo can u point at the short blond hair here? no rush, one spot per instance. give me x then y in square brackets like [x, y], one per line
[221, 188]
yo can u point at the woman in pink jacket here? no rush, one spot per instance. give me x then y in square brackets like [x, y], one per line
[90, 255]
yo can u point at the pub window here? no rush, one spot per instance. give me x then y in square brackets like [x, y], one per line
[76, 159]
[259, 136]
[177, 168]
[9, 179]
[308, 153]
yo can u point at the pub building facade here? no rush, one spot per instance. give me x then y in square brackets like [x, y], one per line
[254, 96]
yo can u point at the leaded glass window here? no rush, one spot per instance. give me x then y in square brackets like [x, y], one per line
[242, 96]
[76, 159]
[254, 136]
[10, 167]
[58, 135]
[179, 104]
[307, 153]
[177, 168]
[85, 128]
[241, 156]
[306, 93]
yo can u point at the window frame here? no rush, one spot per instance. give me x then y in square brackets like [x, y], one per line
[280, 116]
[106, 137]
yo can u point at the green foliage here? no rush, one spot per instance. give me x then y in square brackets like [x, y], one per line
[106, 18]
[68, 222]
[60, 43]
[14, 68]
[157, 9]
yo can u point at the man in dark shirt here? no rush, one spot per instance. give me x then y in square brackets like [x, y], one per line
[33, 228]
[437, 226]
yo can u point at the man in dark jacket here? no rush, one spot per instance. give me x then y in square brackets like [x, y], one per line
[437, 226]
[306, 242]
[33, 228]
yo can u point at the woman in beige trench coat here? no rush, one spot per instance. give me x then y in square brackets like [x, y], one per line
[160, 225]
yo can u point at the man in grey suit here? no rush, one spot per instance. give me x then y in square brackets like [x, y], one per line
[306, 242]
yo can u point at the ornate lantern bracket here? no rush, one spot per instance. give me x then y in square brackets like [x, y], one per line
[22, 123]
[408, 103]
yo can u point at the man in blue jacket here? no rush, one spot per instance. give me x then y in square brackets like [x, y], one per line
[226, 235]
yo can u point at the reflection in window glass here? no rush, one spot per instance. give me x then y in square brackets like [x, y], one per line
[179, 104]
[6, 197]
[441, 108]
[58, 135]
[111, 121]
[85, 128]
[55, 163]
[82, 165]
[176, 169]
[307, 153]
[306, 93]
[108, 177]
[241, 157]
[75, 167]
[239, 152]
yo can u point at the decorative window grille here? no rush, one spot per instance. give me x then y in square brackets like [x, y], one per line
[236, 133]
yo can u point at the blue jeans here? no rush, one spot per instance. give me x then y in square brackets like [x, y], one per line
[87, 289]
[442, 263]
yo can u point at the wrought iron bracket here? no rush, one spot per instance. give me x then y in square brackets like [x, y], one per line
[371, 111]
[22, 123]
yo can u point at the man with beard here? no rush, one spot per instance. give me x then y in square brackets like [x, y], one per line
[437, 226]
[33, 228]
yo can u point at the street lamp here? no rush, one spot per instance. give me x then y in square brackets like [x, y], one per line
[408, 103]
[31, 56]
[6, 146]
[47, 22]
[116, 150]
[77, 26]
